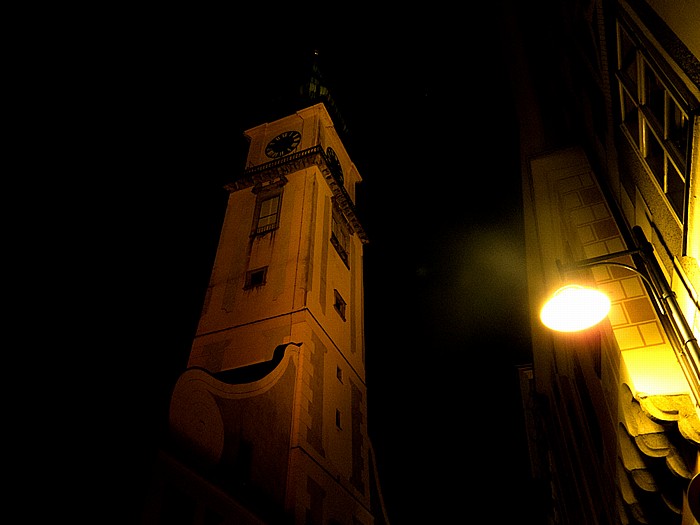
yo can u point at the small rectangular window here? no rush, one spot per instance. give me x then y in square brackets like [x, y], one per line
[337, 418]
[339, 373]
[339, 304]
[255, 278]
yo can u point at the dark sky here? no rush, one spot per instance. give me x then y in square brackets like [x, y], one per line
[435, 138]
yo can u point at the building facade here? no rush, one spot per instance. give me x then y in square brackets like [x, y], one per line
[268, 423]
[610, 194]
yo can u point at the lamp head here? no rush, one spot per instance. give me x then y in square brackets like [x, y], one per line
[573, 308]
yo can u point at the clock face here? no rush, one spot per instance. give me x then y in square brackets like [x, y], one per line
[334, 163]
[282, 144]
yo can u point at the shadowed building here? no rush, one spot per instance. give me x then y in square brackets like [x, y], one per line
[611, 176]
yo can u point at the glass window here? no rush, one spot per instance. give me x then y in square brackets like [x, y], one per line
[340, 235]
[656, 124]
[267, 214]
[255, 278]
[339, 304]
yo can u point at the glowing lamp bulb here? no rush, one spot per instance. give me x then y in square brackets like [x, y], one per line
[573, 308]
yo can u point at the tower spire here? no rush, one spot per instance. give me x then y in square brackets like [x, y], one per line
[316, 88]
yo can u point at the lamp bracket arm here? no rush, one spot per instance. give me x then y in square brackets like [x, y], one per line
[593, 261]
[587, 263]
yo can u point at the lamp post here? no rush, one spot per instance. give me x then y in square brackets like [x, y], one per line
[686, 346]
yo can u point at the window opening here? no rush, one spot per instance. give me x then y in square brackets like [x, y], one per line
[340, 236]
[267, 214]
[339, 304]
[255, 278]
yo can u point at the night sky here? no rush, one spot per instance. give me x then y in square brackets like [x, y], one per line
[434, 136]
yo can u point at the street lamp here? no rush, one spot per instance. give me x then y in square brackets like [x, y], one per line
[574, 308]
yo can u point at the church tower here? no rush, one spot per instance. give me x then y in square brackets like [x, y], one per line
[269, 420]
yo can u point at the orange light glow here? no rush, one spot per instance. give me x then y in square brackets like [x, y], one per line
[573, 308]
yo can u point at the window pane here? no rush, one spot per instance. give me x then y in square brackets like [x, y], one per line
[678, 128]
[340, 236]
[654, 95]
[269, 207]
[266, 221]
[628, 57]
[655, 156]
[675, 189]
[630, 117]
[268, 213]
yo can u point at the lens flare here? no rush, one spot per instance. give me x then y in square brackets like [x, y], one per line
[573, 308]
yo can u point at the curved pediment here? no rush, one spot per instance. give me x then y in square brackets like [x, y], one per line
[212, 413]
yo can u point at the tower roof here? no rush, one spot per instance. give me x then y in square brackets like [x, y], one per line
[298, 82]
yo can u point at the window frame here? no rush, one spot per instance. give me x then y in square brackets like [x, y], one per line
[250, 282]
[338, 419]
[270, 225]
[654, 136]
[341, 235]
[340, 305]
